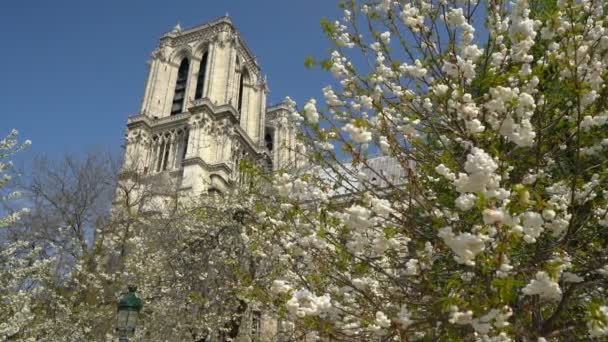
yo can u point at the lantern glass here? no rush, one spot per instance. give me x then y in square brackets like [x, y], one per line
[121, 319]
[132, 320]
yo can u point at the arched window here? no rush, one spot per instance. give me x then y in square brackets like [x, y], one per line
[180, 87]
[160, 156]
[268, 141]
[166, 155]
[200, 80]
[244, 77]
[186, 136]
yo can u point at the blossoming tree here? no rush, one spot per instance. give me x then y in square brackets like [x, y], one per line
[494, 226]
[87, 236]
[15, 307]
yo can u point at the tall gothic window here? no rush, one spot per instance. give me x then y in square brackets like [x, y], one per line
[185, 143]
[244, 77]
[268, 141]
[180, 87]
[162, 157]
[200, 81]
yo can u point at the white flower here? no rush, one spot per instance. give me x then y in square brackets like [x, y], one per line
[466, 246]
[304, 303]
[280, 286]
[521, 31]
[465, 202]
[455, 17]
[532, 223]
[283, 185]
[411, 267]
[366, 101]
[385, 37]
[338, 67]
[460, 317]
[381, 207]
[543, 286]
[450, 69]
[480, 175]
[310, 110]
[548, 214]
[331, 97]
[384, 145]
[474, 126]
[291, 104]
[358, 134]
[404, 318]
[411, 17]
[504, 268]
[445, 172]
[491, 216]
[440, 89]
[415, 71]
[382, 320]
[357, 217]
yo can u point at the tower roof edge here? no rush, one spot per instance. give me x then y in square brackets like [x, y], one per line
[226, 20]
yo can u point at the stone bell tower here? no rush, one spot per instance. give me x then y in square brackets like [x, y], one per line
[203, 110]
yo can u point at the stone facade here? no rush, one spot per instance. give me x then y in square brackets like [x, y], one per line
[204, 109]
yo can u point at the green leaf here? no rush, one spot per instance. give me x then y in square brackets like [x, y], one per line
[327, 26]
[326, 64]
[309, 61]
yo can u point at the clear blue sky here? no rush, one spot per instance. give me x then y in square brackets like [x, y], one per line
[71, 71]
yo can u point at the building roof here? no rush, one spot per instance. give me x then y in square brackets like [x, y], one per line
[178, 32]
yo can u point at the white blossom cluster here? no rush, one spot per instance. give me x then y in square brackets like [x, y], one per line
[500, 134]
[304, 303]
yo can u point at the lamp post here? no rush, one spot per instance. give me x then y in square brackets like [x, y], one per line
[128, 313]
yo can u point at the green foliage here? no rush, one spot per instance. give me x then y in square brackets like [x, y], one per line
[309, 61]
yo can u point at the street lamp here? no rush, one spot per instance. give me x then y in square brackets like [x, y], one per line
[128, 313]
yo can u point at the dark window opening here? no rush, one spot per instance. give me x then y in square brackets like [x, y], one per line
[200, 81]
[186, 137]
[166, 157]
[244, 77]
[241, 94]
[180, 87]
[160, 156]
[268, 141]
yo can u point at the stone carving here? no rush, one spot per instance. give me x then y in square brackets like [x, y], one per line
[201, 122]
[222, 128]
[137, 136]
[161, 53]
[224, 36]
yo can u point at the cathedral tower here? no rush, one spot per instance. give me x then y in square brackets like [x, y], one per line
[203, 110]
